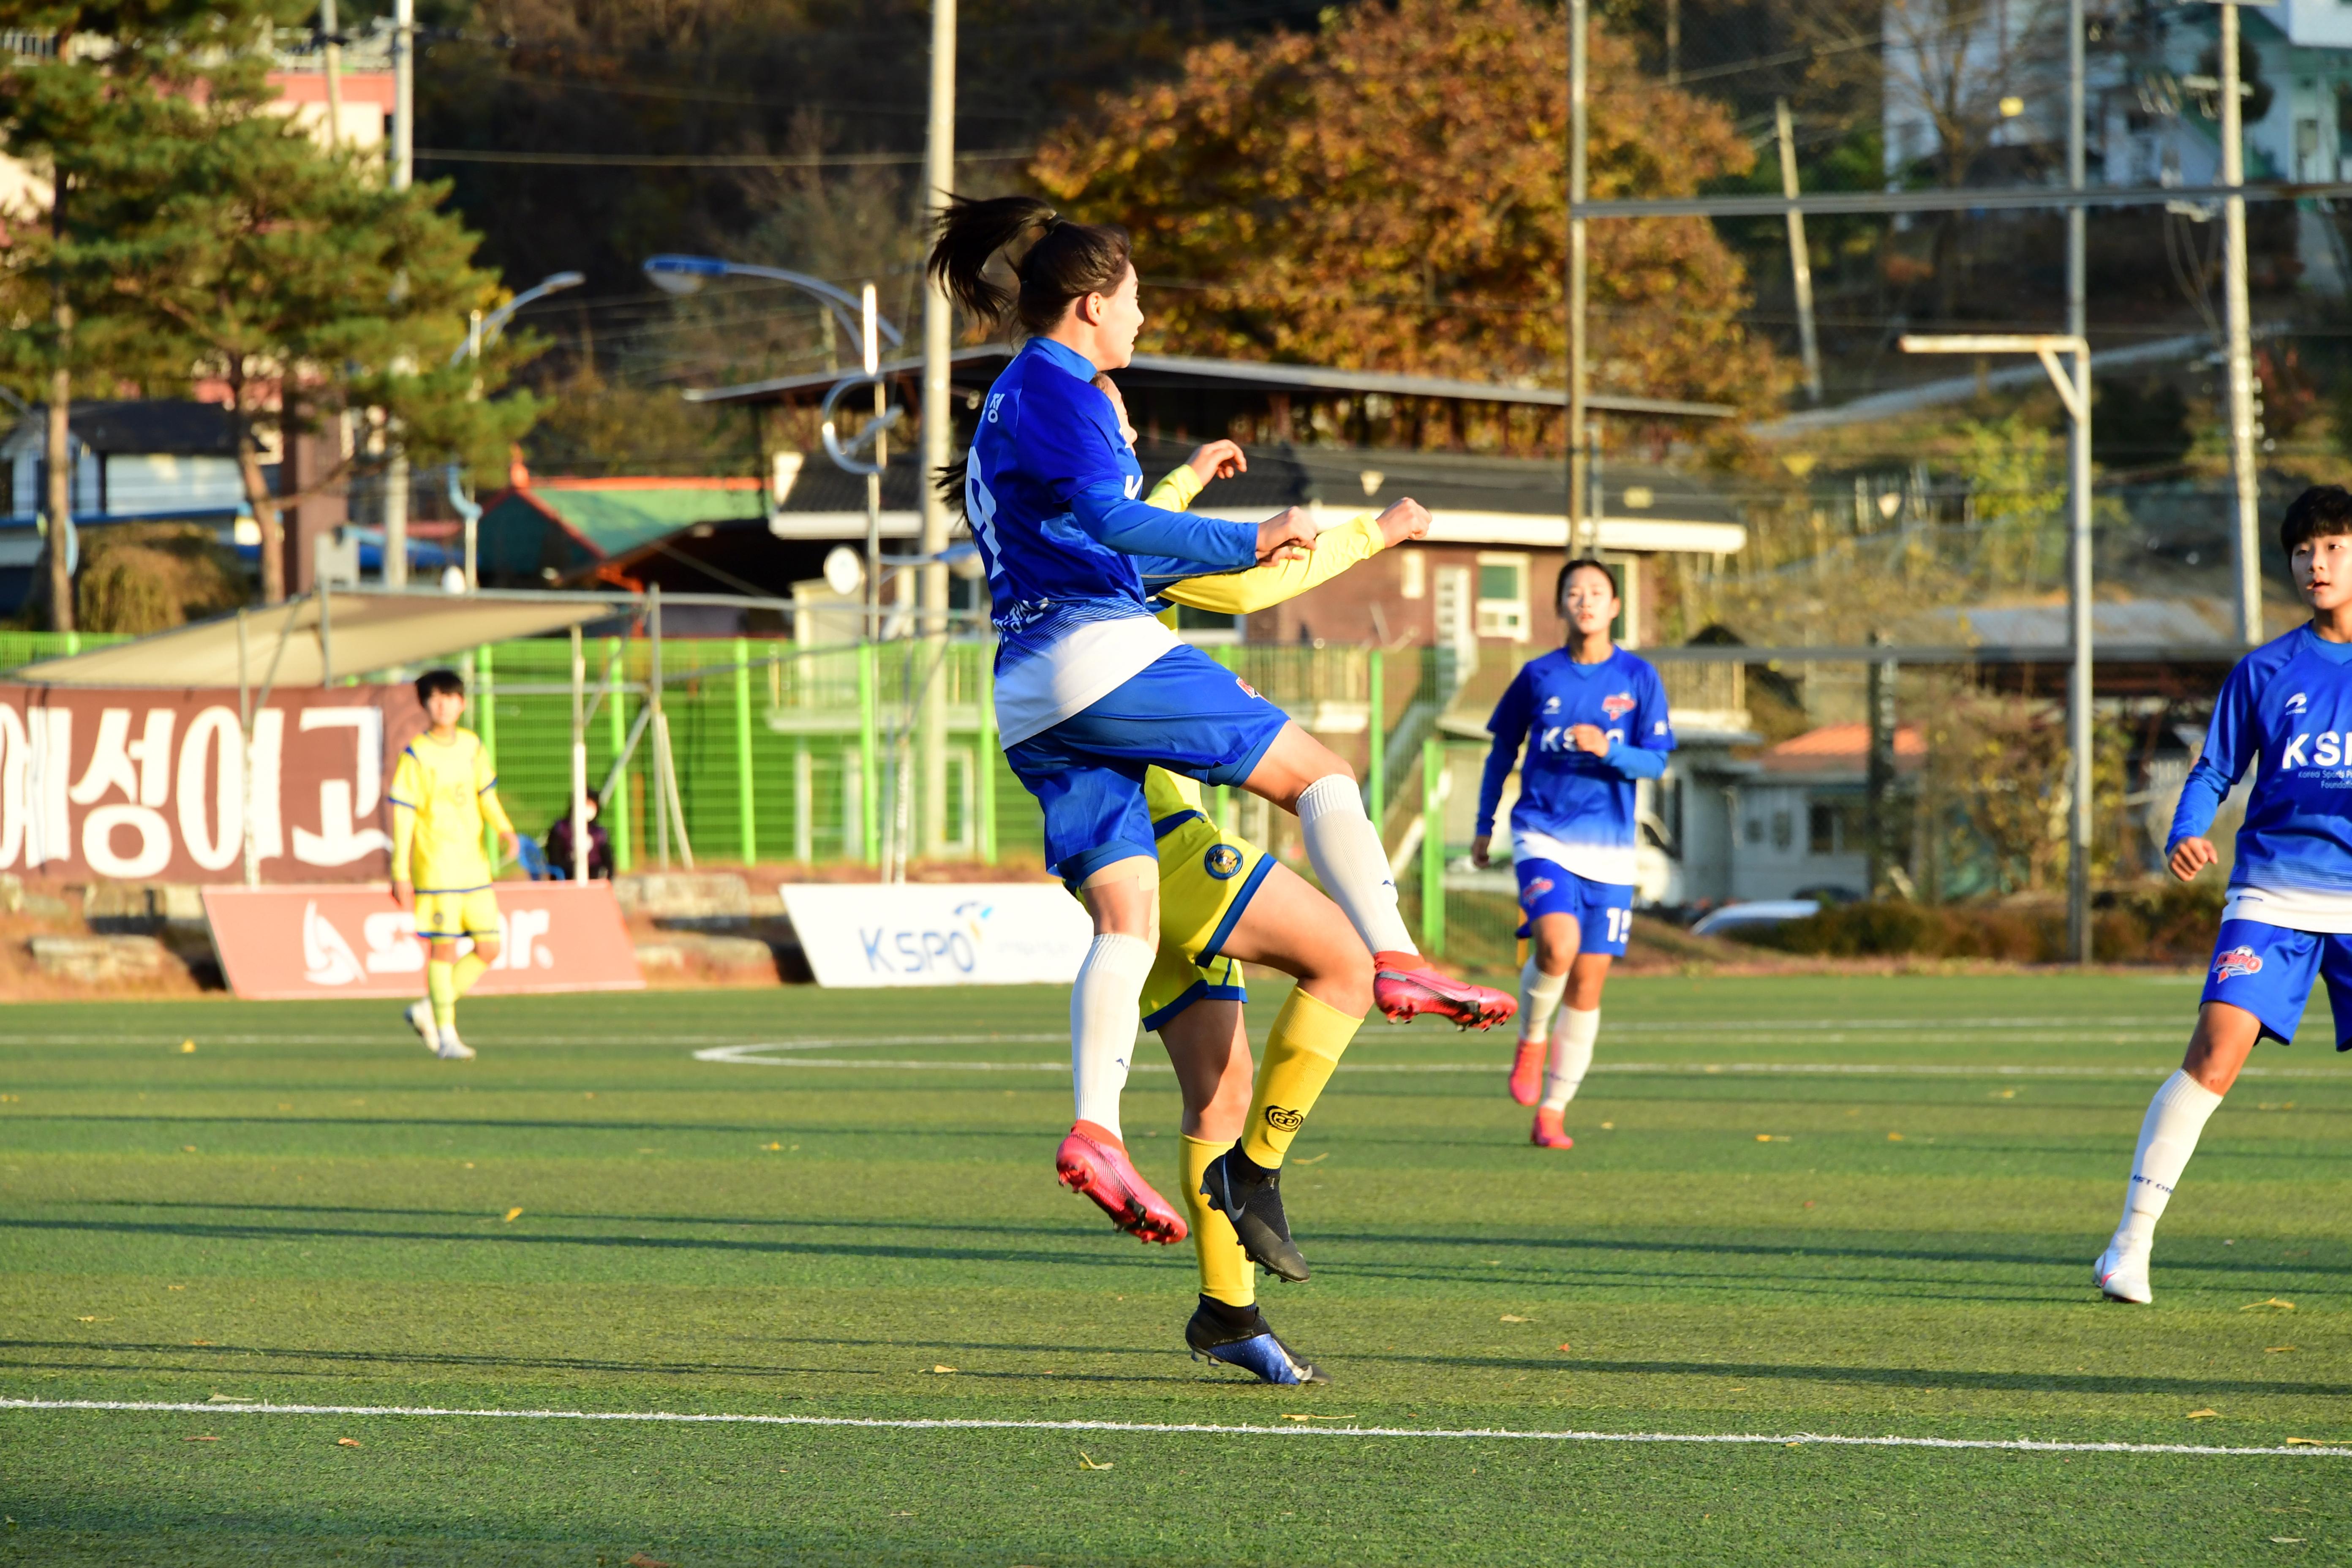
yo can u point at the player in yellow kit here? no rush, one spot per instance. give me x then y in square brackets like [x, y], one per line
[1223, 900]
[444, 793]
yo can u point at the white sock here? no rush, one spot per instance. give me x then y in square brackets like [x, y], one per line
[1103, 1023]
[2167, 1137]
[1571, 1057]
[1540, 995]
[1345, 849]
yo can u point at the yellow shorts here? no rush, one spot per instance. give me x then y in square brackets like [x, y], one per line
[1206, 879]
[444, 917]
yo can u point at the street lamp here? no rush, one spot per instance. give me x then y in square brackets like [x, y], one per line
[2074, 391]
[687, 274]
[481, 331]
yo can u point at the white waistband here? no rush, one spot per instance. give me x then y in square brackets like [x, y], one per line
[1085, 666]
[2296, 909]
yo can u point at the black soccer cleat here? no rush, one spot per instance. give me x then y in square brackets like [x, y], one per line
[1239, 1336]
[1250, 1195]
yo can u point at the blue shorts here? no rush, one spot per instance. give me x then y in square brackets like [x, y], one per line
[2267, 970]
[1603, 911]
[1184, 712]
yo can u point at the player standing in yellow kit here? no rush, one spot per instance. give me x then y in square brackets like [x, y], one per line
[444, 793]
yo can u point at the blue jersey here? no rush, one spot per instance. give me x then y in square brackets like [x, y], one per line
[2287, 709]
[1576, 809]
[1051, 490]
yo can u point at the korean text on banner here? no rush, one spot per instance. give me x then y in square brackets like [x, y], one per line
[972, 934]
[284, 943]
[148, 785]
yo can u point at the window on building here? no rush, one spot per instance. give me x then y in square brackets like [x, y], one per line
[1503, 596]
[1823, 837]
[1784, 832]
[1413, 576]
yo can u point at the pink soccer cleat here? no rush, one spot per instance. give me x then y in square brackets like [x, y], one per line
[1528, 1071]
[1548, 1133]
[1404, 989]
[1093, 1163]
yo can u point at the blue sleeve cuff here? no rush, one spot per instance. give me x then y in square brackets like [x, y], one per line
[1635, 761]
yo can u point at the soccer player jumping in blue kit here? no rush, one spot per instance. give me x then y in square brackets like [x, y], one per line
[1593, 718]
[2288, 918]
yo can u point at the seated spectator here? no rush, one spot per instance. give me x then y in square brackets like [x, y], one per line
[600, 846]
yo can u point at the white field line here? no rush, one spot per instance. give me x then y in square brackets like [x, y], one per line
[1756, 1439]
[739, 1055]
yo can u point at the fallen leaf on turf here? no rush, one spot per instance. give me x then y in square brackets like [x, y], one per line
[2202, 1415]
[2276, 1349]
[641, 1561]
[93, 1319]
[203, 1439]
[1286, 1416]
[229, 1399]
[175, 1287]
[347, 1442]
[1894, 1137]
[1086, 1464]
[1568, 1347]
[2287, 1540]
[514, 1213]
[187, 1048]
[2274, 1304]
[200, 1341]
[187, 1148]
[942, 1369]
[1510, 1318]
[772, 1148]
[1313, 1159]
[2307, 1442]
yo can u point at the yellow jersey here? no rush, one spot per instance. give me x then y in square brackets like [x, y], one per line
[444, 793]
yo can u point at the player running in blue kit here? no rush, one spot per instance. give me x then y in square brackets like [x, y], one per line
[2287, 709]
[1092, 690]
[1593, 720]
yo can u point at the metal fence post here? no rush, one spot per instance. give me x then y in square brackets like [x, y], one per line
[744, 749]
[485, 725]
[1376, 766]
[620, 818]
[868, 775]
[1433, 846]
[983, 763]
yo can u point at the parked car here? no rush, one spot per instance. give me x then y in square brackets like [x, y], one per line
[1762, 912]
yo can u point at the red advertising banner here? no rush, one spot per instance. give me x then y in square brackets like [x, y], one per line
[329, 941]
[147, 785]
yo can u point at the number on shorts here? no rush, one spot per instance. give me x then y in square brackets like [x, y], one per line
[1621, 921]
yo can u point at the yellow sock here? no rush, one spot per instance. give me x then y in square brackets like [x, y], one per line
[1306, 1045]
[1225, 1272]
[463, 972]
[441, 988]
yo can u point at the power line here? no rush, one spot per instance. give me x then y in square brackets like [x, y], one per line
[712, 159]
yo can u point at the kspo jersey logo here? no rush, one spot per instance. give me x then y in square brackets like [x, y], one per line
[2237, 961]
[2328, 749]
[1617, 704]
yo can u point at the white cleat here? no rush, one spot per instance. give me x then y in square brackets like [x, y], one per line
[452, 1049]
[2122, 1276]
[420, 1018]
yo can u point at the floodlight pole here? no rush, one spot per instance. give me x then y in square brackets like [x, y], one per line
[2074, 391]
[2239, 333]
[938, 345]
[1577, 28]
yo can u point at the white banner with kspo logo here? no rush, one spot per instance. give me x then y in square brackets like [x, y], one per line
[946, 933]
[280, 943]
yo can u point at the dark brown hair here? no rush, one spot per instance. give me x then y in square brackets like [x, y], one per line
[438, 681]
[1064, 261]
[1582, 563]
[2319, 512]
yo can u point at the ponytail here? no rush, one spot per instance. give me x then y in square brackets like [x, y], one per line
[1064, 261]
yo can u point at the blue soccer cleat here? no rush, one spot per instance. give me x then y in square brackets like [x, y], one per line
[1239, 1336]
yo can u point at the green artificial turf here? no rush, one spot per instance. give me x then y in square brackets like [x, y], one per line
[307, 1209]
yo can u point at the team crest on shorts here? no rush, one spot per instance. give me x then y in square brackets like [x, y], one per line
[1617, 704]
[1535, 888]
[1222, 861]
[2237, 961]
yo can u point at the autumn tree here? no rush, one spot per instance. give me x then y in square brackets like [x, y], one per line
[1390, 191]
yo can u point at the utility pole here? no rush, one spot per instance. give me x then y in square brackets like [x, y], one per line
[403, 173]
[938, 344]
[2079, 693]
[1577, 27]
[333, 49]
[1801, 261]
[2239, 347]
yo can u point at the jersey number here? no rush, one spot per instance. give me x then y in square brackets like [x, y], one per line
[981, 507]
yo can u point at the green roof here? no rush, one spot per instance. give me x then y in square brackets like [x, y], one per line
[618, 517]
